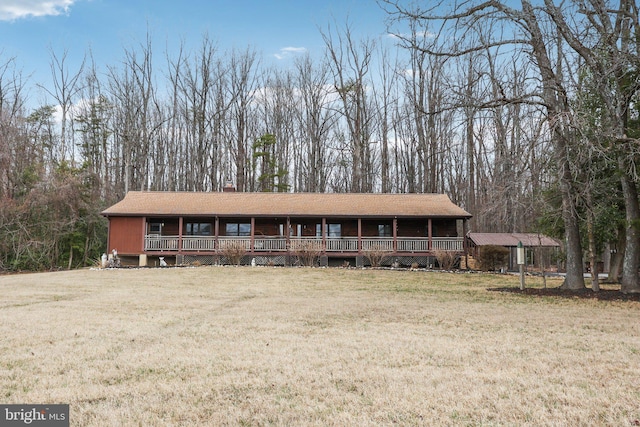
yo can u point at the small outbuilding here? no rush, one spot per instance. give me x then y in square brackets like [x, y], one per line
[540, 251]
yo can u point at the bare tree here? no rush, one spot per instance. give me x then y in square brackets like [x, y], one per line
[424, 92]
[454, 30]
[173, 161]
[66, 86]
[315, 120]
[242, 86]
[12, 133]
[93, 122]
[199, 91]
[350, 61]
[386, 99]
[278, 104]
[133, 92]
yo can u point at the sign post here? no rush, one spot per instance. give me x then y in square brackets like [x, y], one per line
[520, 261]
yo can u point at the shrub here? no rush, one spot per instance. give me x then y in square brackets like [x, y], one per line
[306, 251]
[446, 259]
[376, 254]
[492, 257]
[233, 251]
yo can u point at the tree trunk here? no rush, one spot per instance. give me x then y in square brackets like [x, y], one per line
[70, 257]
[574, 278]
[617, 257]
[593, 256]
[593, 253]
[630, 282]
[555, 97]
[469, 118]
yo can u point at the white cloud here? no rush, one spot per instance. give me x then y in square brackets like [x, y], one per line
[11, 10]
[286, 52]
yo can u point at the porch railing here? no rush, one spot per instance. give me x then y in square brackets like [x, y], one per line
[270, 244]
[155, 243]
[447, 243]
[226, 242]
[198, 243]
[305, 243]
[342, 244]
[377, 244]
[414, 244]
[160, 243]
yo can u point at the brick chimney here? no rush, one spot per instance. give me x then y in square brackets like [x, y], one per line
[228, 187]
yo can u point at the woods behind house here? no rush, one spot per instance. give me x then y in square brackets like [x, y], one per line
[528, 118]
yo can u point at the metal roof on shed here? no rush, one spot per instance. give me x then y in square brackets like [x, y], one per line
[157, 203]
[512, 239]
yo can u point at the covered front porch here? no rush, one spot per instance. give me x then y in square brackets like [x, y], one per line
[329, 236]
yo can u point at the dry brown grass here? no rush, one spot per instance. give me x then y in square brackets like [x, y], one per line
[265, 346]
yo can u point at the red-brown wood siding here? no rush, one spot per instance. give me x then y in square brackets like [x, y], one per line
[370, 227]
[171, 228]
[269, 227]
[412, 228]
[126, 235]
[445, 228]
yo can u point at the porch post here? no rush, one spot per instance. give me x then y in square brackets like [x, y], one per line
[253, 233]
[324, 235]
[180, 224]
[287, 234]
[144, 234]
[216, 233]
[465, 243]
[395, 234]
[359, 235]
[430, 233]
[109, 236]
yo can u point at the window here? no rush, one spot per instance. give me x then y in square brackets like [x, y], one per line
[318, 230]
[297, 231]
[155, 228]
[335, 230]
[198, 229]
[235, 229]
[384, 230]
[244, 229]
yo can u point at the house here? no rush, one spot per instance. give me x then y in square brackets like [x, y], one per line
[540, 250]
[189, 227]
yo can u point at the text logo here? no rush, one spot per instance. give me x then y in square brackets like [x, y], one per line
[34, 415]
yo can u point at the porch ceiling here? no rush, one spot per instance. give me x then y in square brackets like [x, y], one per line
[144, 203]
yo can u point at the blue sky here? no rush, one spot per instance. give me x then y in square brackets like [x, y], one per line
[277, 29]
